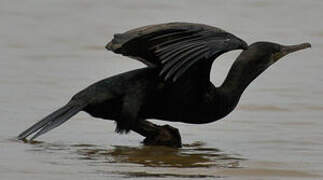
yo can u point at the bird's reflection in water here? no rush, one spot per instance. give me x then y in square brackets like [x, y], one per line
[191, 155]
[144, 161]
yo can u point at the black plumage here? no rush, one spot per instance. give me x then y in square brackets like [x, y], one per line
[175, 47]
[175, 86]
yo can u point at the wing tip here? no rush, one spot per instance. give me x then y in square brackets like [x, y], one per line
[112, 46]
[109, 46]
[115, 43]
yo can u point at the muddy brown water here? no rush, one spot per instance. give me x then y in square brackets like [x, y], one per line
[49, 50]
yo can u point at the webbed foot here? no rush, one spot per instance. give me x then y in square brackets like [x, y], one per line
[165, 135]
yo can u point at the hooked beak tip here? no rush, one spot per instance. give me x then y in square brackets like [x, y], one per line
[305, 45]
[309, 45]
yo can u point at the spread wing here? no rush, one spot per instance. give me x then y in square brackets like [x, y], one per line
[174, 47]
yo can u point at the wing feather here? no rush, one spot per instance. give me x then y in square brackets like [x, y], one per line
[173, 60]
[181, 64]
[177, 50]
[185, 68]
[174, 47]
[184, 56]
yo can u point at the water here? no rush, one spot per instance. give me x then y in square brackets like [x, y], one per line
[49, 50]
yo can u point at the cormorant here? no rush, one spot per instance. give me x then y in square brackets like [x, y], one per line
[175, 86]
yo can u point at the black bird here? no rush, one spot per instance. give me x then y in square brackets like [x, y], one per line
[175, 86]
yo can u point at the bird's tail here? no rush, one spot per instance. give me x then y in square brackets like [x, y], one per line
[53, 120]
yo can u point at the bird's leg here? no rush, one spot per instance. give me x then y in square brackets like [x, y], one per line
[158, 135]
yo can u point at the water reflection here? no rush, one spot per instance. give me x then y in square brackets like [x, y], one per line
[133, 161]
[159, 156]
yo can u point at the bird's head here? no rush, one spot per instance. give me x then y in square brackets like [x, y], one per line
[255, 60]
[260, 55]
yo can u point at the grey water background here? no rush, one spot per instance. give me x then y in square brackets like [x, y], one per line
[51, 49]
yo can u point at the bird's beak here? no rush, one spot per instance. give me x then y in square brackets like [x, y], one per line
[290, 49]
[293, 48]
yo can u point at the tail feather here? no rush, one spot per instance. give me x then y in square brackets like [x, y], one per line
[51, 121]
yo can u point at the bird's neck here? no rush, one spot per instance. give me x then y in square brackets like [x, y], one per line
[238, 79]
